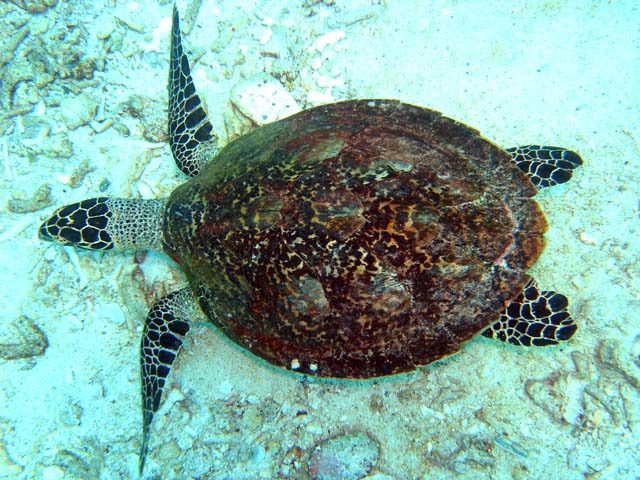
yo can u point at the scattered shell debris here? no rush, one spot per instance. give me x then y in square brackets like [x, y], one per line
[79, 110]
[349, 456]
[164, 27]
[328, 39]
[263, 99]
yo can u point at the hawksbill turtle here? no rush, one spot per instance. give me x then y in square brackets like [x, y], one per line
[357, 239]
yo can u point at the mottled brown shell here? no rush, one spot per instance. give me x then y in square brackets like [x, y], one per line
[357, 239]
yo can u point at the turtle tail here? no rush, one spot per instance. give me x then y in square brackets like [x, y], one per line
[107, 223]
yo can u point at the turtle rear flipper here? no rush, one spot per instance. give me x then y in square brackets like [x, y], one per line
[107, 223]
[544, 165]
[167, 324]
[190, 137]
[534, 318]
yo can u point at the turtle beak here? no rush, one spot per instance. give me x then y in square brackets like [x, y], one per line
[66, 225]
[43, 233]
[59, 228]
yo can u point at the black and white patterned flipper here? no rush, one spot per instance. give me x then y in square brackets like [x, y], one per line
[545, 166]
[167, 324]
[534, 318]
[190, 137]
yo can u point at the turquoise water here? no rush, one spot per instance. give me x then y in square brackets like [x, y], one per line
[83, 99]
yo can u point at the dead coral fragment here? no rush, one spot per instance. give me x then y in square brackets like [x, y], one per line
[40, 199]
[34, 6]
[22, 339]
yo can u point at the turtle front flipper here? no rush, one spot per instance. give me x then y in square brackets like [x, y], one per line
[534, 318]
[192, 143]
[107, 223]
[545, 166]
[167, 324]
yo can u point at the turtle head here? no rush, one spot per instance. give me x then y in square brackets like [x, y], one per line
[106, 223]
